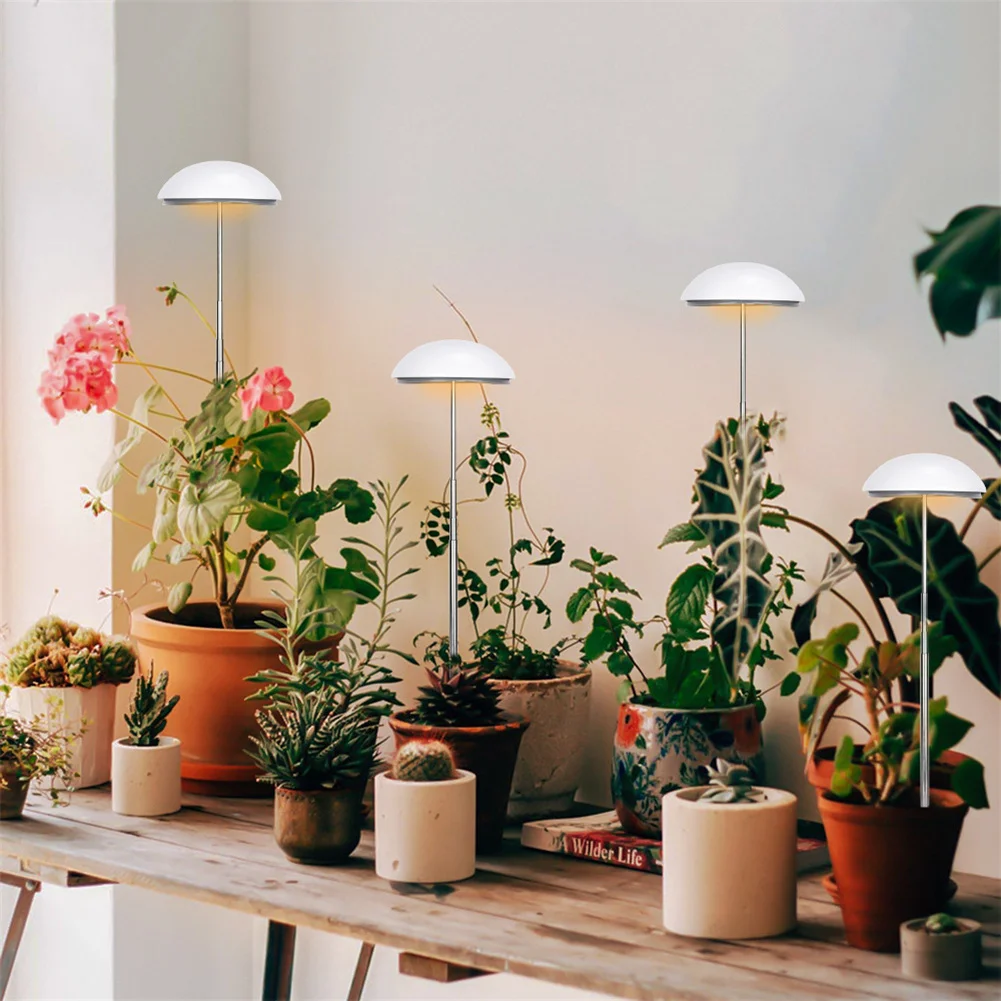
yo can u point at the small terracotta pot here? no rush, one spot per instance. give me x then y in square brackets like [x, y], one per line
[820, 768]
[318, 826]
[552, 751]
[208, 666]
[13, 791]
[953, 955]
[489, 752]
[146, 781]
[892, 863]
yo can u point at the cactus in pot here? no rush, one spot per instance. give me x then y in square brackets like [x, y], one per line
[424, 761]
[149, 710]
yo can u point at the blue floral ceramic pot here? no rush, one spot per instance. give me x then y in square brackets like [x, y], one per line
[658, 750]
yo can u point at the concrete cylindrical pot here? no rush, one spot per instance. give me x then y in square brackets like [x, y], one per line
[69, 709]
[729, 868]
[552, 751]
[954, 955]
[146, 781]
[656, 751]
[425, 832]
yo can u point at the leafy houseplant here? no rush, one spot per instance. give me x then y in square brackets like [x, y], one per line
[232, 482]
[68, 674]
[145, 766]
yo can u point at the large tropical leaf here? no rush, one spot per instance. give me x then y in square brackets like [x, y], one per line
[838, 568]
[730, 491]
[987, 434]
[966, 607]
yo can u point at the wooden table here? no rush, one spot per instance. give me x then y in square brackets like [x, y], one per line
[531, 913]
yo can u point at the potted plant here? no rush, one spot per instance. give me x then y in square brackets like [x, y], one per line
[941, 947]
[232, 478]
[704, 703]
[32, 749]
[506, 602]
[729, 858]
[425, 817]
[68, 674]
[145, 766]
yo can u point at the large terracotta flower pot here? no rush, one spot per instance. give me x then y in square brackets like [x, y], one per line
[891, 863]
[656, 751]
[552, 750]
[820, 768]
[208, 666]
[319, 826]
[13, 791]
[489, 752]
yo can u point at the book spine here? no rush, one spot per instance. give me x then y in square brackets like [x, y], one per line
[597, 849]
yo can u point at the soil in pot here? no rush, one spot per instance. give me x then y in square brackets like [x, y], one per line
[489, 752]
[13, 792]
[207, 666]
[319, 826]
[891, 863]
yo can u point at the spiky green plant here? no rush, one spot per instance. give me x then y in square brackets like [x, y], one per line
[456, 695]
[730, 783]
[424, 761]
[942, 924]
[149, 710]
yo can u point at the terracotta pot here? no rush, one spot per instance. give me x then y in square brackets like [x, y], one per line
[956, 955]
[13, 791]
[489, 752]
[830, 884]
[892, 863]
[208, 666]
[146, 781]
[820, 768]
[656, 751]
[69, 709]
[552, 751]
[318, 826]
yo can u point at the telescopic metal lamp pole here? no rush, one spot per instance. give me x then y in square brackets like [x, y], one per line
[453, 545]
[220, 350]
[925, 695]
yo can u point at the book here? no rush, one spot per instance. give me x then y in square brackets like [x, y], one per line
[599, 837]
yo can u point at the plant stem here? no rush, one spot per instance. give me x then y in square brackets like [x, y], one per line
[165, 368]
[994, 552]
[156, 382]
[247, 564]
[837, 594]
[201, 316]
[981, 501]
[309, 448]
[145, 427]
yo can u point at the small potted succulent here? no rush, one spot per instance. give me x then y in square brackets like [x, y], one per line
[729, 858]
[425, 817]
[34, 749]
[941, 947]
[146, 766]
[68, 674]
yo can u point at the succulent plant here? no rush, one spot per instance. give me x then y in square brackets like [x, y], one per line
[424, 761]
[83, 668]
[149, 710]
[458, 696]
[730, 783]
[118, 660]
[942, 924]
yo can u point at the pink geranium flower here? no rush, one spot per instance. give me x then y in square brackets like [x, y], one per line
[268, 390]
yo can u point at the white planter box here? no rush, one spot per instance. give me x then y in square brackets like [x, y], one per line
[146, 781]
[96, 706]
[425, 832]
[729, 868]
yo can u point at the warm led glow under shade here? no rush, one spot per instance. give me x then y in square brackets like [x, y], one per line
[742, 282]
[218, 181]
[924, 474]
[453, 361]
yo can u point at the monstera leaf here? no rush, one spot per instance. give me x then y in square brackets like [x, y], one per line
[964, 261]
[730, 491]
[966, 607]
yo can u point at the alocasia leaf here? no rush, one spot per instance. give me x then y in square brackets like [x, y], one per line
[838, 568]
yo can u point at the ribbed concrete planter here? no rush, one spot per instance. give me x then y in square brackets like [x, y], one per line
[146, 781]
[953, 955]
[552, 750]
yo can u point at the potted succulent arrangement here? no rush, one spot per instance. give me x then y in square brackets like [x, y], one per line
[31, 748]
[68, 674]
[506, 602]
[703, 703]
[729, 858]
[229, 484]
[319, 726]
[941, 947]
[425, 817]
[146, 766]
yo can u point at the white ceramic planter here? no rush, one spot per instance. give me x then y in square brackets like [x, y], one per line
[96, 706]
[146, 781]
[552, 749]
[729, 868]
[425, 832]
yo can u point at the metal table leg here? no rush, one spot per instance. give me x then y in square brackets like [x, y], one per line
[12, 941]
[361, 971]
[278, 962]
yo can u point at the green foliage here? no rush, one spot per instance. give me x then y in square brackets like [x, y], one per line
[423, 761]
[988, 434]
[498, 659]
[730, 783]
[147, 715]
[455, 694]
[56, 653]
[941, 924]
[35, 748]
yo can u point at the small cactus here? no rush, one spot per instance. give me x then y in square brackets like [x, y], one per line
[149, 710]
[730, 784]
[942, 924]
[424, 761]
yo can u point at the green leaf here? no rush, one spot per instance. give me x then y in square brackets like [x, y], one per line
[143, 557]
[598, 641]
[774, 519]
[310, 414]
[790, 683]
[178, 596]
[619, 663]
[357, 502]
[686, 601]
[687, 531]
[202, 510]
[342, 579]
[180, 552]
[112, 468]
[274, 446]
[981, 433]
[578, 604]
[837, 569]
[968, 783]
[165, 515]
[947, 731]
[265, 562]
[265, 518]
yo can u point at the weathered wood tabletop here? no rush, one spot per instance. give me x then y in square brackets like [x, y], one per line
[539, 915]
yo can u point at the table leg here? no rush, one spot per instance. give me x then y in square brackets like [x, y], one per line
[361, 971]
[278, 962]
[15, 930]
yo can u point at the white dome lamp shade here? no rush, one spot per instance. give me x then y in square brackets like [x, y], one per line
[924, 475]
[742, 283]
[219, 182]
[453, 361]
